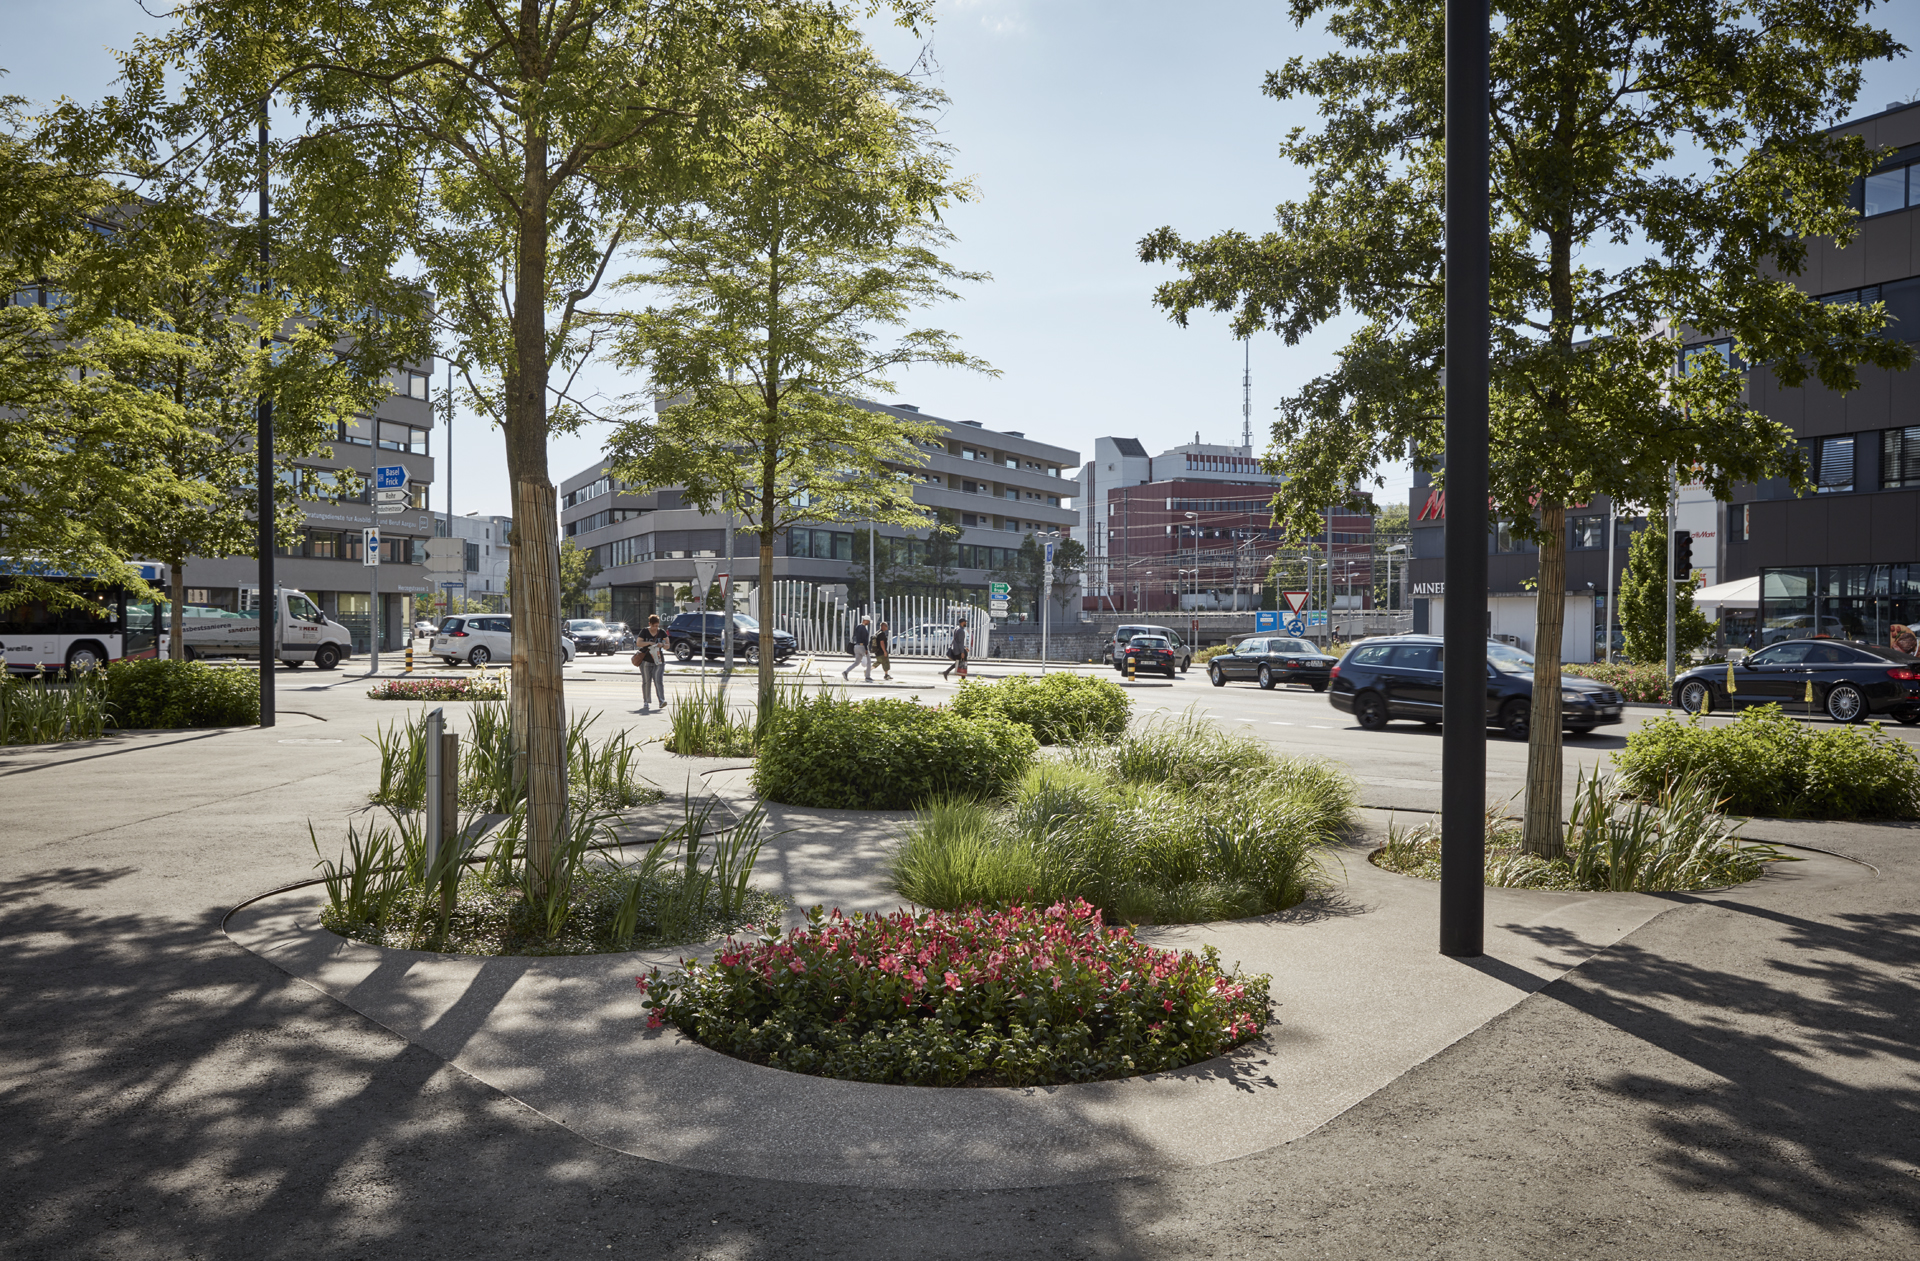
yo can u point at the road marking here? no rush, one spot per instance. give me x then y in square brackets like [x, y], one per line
[1276, 722]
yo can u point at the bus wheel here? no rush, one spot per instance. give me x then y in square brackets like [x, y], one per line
[85, 656]
[326, 656]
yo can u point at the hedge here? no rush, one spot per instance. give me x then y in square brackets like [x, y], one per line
[886, 754]
[149, 693]
[1057, 708]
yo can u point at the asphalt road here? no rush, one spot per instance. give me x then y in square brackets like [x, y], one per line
[1734, 1080]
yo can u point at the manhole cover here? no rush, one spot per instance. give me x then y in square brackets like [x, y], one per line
[312, 742]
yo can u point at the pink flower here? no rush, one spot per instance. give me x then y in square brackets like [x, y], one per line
[953, 980]
[654, 1020]
[641, 983]
[796, 966]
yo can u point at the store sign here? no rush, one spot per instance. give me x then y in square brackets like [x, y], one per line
[1429, 588]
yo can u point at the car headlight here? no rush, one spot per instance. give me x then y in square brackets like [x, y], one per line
[1570, 697]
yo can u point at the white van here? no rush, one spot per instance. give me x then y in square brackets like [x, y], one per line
[301, 633]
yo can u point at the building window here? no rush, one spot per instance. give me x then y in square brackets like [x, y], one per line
[1588, 533]
[1831, 462]
[1504, 540]
[1886, 191]
[1900, 458]
[1902, 299]
[1739, 526]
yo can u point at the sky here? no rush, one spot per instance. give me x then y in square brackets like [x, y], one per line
[1084, 125]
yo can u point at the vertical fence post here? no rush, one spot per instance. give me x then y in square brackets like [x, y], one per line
[436, 773]
[448, 837]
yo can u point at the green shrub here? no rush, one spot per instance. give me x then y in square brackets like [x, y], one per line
[885, 754]
[150, 693]
[1766, 763]
[1014, 998]
[1142, 836]
[1633, 681]
[41, 711]
[1057, 708]
[1208, 654]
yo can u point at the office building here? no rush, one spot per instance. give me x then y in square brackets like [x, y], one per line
[483, 584]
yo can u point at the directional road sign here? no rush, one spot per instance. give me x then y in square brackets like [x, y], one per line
[390, 496]
[1297, 600]
[1266, 621]
[370, 546]
[388, 510]
[996, 606]
[389, 477]
[999, 590]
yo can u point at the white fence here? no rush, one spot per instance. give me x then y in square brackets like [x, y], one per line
[918, 626]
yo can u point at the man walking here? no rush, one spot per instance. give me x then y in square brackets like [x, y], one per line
[861, 635]
[957, 649]
[652, 660]
[880, 647]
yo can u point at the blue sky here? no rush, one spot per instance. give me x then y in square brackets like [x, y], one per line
[1084, 125]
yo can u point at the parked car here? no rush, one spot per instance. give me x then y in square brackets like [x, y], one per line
[422, 628]
[1149, 652]
[1851, 681]
[704, 635]
[1400, 677]
[1114, 650]
[1271, 660]
[590, 634]
[480, 638]
[930, 639]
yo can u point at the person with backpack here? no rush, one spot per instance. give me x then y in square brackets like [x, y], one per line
[862, 635]
[957, 650]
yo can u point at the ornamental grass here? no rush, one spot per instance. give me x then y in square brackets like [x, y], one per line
[1019, 997]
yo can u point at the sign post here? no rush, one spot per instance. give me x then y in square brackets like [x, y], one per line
[1046, 599]
[370, 557]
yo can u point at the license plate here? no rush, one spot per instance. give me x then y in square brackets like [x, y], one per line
[1611, 711]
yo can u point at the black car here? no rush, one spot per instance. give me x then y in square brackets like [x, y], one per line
[1150, 652]
[704, 635]
[1400, 677]
[1271, 661]
[1849, 681]
[590, 634]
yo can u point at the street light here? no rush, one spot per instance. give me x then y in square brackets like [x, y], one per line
[1048, 540]
[1194, 516]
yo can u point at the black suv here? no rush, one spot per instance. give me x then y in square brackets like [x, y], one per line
[1400, 677]
[704, 635]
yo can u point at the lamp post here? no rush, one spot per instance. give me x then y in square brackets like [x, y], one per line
[1463, 755]
[263, 477]
[1049, 539]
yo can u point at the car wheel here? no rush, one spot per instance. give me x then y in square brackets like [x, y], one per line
[1185, 664]
[1369, 711]
[1907, 718]
[1219, 679]
[479, 657]
[1266, 679]
[291, 665]
[1171, 672]
[1846, 703]
[188, 654]
[1516, 720]
[326, 656]
[1692, 696]
[752, 654]
[84, 657]
[683, 652]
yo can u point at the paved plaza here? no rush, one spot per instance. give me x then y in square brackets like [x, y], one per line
[1725, 1075]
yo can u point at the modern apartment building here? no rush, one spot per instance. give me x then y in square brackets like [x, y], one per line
[483, 583]
[999, 486]
[327, 562]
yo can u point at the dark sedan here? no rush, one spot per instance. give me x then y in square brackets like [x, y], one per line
[1845, 681]
[1150, 652]
[704, 635]
[1271, 662]
[1400, 677]
[590, 634]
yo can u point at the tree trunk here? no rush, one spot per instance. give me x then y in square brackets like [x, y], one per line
[1544, 835]
[176, 615]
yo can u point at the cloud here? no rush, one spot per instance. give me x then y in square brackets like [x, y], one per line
[997, 17]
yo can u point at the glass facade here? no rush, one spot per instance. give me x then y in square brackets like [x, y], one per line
[1858, 602]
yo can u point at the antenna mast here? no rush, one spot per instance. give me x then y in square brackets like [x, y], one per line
[1246, 397]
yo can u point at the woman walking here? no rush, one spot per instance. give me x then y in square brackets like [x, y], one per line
[652, 660]
[880, 651]
[957, 649]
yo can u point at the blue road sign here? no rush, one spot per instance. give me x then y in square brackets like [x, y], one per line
[1267, 621]
[389, 477]
[1317, 618]
[370, 547]
[452, 586]
[1294, 627]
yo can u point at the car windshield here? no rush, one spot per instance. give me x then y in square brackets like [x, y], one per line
[744, 622]
[1509, 660]
[588, 626]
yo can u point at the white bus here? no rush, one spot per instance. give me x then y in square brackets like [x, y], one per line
[36, 638]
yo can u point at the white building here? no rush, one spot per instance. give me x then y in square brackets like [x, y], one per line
[484, 583]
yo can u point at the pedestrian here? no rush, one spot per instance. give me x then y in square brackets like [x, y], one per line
[880, 646]
[957, 651]
[862, 636]
[652, 660]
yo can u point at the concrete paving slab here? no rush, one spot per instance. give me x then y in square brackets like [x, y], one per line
[1363, 997]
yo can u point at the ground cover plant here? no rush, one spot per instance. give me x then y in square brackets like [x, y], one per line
[599, 772]
[1766, 763]
[1017, 997]
[1671, 841]
[1176, 823]
[39, 710]
[1632, 680]
[688, 886]
[170, 694]
[1062, 708]
[486, 685]
[829, 752]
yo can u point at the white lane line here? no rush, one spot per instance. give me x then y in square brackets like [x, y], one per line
[1277, 723]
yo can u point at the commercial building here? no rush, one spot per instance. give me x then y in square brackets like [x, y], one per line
[327, 561]
[998, 487]
[483, 583]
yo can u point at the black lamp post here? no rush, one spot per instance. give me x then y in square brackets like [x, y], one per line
[269, 603]
[1463, 755]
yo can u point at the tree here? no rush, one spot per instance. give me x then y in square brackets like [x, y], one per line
[943, 550]
[771, 292]
[1657, 167]
[1643, 600]
[890, 570]
[1021, 572]
[577, 570]
[512, 150]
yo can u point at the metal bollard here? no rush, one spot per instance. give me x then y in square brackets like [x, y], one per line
[1133, 669]
[409, 669]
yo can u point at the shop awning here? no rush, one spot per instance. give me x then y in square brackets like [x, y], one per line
[1741, 593]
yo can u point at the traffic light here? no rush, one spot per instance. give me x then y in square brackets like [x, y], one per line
[1682, 554]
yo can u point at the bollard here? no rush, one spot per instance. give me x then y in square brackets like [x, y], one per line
[450, 837]
[1133, 669]
[409, 669]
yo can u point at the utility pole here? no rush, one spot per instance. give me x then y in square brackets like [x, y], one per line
[263, 476]
[1463, 753]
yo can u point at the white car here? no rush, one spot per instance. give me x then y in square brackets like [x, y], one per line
[929, 639]
[421, 629]
[481, 638]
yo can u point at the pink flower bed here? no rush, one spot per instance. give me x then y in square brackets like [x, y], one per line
[947, 998]
[436, 690]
